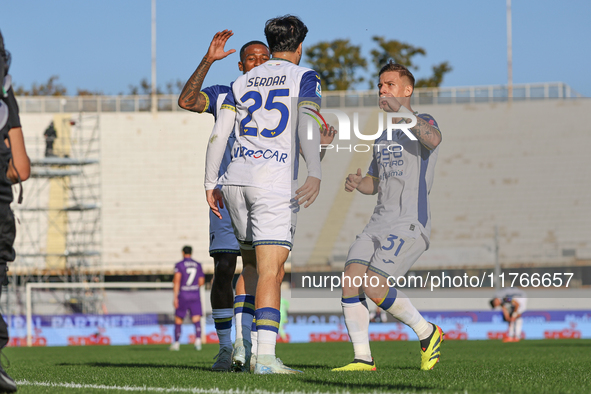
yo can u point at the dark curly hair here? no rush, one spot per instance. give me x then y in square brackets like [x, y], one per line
[285, 33]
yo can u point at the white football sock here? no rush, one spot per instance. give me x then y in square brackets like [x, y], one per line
[357, 321]
[518, 327]
[254, 338]
[266, 342]
[512, 329]
[403, 310]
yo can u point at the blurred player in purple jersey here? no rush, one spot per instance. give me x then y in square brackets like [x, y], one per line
[188, 278]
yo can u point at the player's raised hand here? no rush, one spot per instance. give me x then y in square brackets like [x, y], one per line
[353, 180]
[327, 135]
[215, 202]
[308, 192]
[389, 104]
[216, 48]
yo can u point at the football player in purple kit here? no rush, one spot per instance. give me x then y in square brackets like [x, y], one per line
[188, 278]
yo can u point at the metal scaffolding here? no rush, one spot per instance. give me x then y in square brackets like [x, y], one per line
[59, 236]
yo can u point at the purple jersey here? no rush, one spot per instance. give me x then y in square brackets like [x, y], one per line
[191, 272]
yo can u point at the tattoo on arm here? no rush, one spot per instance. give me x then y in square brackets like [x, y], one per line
[426, 134]
[190, 99]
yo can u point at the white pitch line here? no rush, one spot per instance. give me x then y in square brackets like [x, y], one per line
[161, 389]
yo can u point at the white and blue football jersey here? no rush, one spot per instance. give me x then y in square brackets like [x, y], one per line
[215, 96]
[268, 101]
[405, 178]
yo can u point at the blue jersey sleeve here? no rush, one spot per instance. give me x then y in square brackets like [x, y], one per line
[373, 170]
[229, 102]
[211, 94]
[310, 90]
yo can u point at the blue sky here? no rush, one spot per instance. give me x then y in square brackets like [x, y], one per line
[105, 45]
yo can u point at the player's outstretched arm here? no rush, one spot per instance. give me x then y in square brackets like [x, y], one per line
[515, 314]
[505, 313]
[365, 185]
[215, 153]
[307, 194]
[191, 98]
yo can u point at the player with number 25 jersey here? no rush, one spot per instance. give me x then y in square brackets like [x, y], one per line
[265, 153]
[270, 128]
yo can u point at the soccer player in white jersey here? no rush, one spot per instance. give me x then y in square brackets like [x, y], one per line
[398, 232]
[223, 245]
[260, 181]
[513, 302]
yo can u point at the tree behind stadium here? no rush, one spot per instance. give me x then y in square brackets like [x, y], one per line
[339, 63]
[403, 53]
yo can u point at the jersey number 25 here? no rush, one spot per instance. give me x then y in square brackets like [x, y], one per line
[270, 105]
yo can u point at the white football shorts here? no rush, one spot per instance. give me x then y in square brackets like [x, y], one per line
[260, 216]
[387, 255]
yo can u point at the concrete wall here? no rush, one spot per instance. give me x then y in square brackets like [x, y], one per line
[153, 200]
[522, 167]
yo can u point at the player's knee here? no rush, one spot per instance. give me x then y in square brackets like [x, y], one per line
[225, 266]
[376, 292]
[275, 275]
[349, 289]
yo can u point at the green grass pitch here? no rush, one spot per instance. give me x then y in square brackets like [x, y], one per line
[547, 366]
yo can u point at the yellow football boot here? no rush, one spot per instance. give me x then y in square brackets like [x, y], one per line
[430, 355]
[358, 365]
